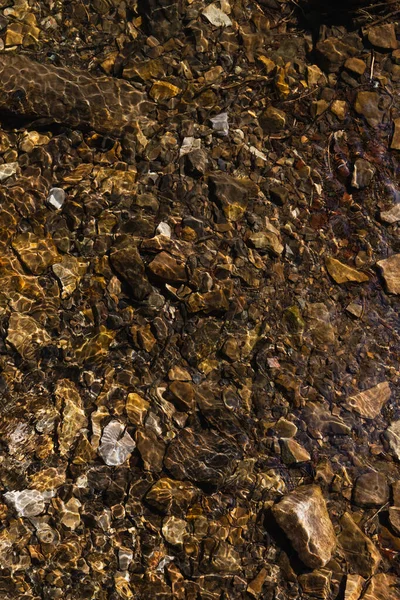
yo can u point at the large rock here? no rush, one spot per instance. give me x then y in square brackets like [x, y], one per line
[371, 490]
[304, 518]
[390, 268]
[368, 404]
[360, 553]
[383, 587]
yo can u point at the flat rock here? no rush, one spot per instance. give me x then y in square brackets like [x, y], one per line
[317, 583]
[393, 214]
[36, 253]
[360, 553]
[230, 193]
[362, 174]
[27, 503]
[383, 586]
[354, 586]
[367, 104]
[383, 36]
[368, 404]
[371, 490]
[216, 16]
[342, 273]
[26, 335]
[390, 268]
[304, 518]
[168, 269]
[116, 444]
[393, 437]
[69, 271]
[292, 452]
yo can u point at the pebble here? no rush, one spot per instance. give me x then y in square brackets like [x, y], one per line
[56, 198]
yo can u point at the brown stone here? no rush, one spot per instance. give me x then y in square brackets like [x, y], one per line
[36, 253]
[395, 144]
[163, 90]
[292, 452]
[355, 65]
[392, 435]
[371, 490]
[360, 553]
[303, 516]
[390, 268]
[168, 269]
[342, 273]
[136, 408]
[383, 36]
[368, 404]
[273, 120]
[354, 586]
[383, 586]
[317, 584]
[367, 104]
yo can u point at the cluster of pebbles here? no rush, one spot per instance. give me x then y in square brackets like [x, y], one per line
[199, 300]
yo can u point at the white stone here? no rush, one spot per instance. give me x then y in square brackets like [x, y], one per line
[216, 16]
[56, 198]
[188, 145]
[27, 503]
[220, 123]
[7, 170]
[393, 437]
[116, 444]
[164, 229]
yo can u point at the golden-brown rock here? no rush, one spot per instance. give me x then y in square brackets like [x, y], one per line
[390, 268]
[368, 404]
[342, 273]
[360, 553]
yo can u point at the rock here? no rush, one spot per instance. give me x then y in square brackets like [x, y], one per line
[284, 428]
[394, 518]
[73, 418]
[174, 530]
[26, 335]
[7, 170]
[37, 254]
[116, 444]
[317, 584]
[304, 518]
[292, 452]
[332, 53]
[196, 163]
[151, 449]
[168, 495]
[205, 458]
[27, 503]
[355, 65]
[273, 120]
[136, 408]
[368, 404]
[340, 109]
[371, 490]
[362, 174]
[395, 144]
[163, 90]
[355, 309]
[342, 273]
[267, 241]
[392, 435]
[168, 268]
[321, 421]
[129, 266]
[220, 124]
[56, 198]
[383, 36]
[390, 268]
[164, 229]
[216, 16]
[393, 214]
[360, 553]
[69, 272]
[383, 586]
[354, 586]
[230, 193]
[255, 586]
[367, 104]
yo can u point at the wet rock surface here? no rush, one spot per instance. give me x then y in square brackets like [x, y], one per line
[199, 300]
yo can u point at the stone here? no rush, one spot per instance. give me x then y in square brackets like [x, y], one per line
[367, 104]
[354, 586]
[168, 269]
[395, 143]
[220, 124]
[392, 435]
[273, 120]
[292, 452]
[8, 170]
[383, 586]
[361, 554]
[26, 335]
[317, 583]
[151, 449]
[168, 495]
[390, 269]
[363, 173]
[204, 458]
[342, 273]
[116, 444]
[383, 36]
[340, 109]
[393, 214]
[394, 518]
[267, 241]
[136, 408]
[355, 309]
[255, 586]
[355, 65]
[332, 53]
[56, 198]
[371, 490]
[73, 417]
[231, 195]
[174, 530]
[36, 253]
[303, 516]
[27, 503]
[163, 90]
[129, 266]
[216, 16]
[69, 272]
[368, 404]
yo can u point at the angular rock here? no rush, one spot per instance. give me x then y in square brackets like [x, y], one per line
[362, 174]
[332, 53]
[390, 268]
[69, 272]
[267, 241]
[292, 452]
[174, 530]
[168, 269]
[383, 36]
[163, 90]
[392, 435]
[27, 503]
[37, 254]
[216, 16]
[129, 266]
[116, 444]
[26, 335]
[371, 490]
[383, 586]
[393, 214]
[230, 193]
[342, 273]
[368, 404]
[354, 586]
[367, 104]
[360, 553]
[136, 408]
[317, 584]
[304, 518]
[395, 144]
[73, 419]
[273, 120]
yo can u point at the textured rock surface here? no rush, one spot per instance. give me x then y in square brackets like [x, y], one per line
[303, 516]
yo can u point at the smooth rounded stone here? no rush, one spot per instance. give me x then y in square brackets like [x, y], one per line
[164, 229]
[356, 65]
[174, 530]
[383, 36]
[368, 404]
[304, 518]
[56, 198]
[370, 490]
[361, 554]
[392, 435]
[7, 170]
[27, 503]
[383, 586]
[354, 586]
[390, 268]
[362, 174]
[116, 444]
[342, 273]
[284, 428]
